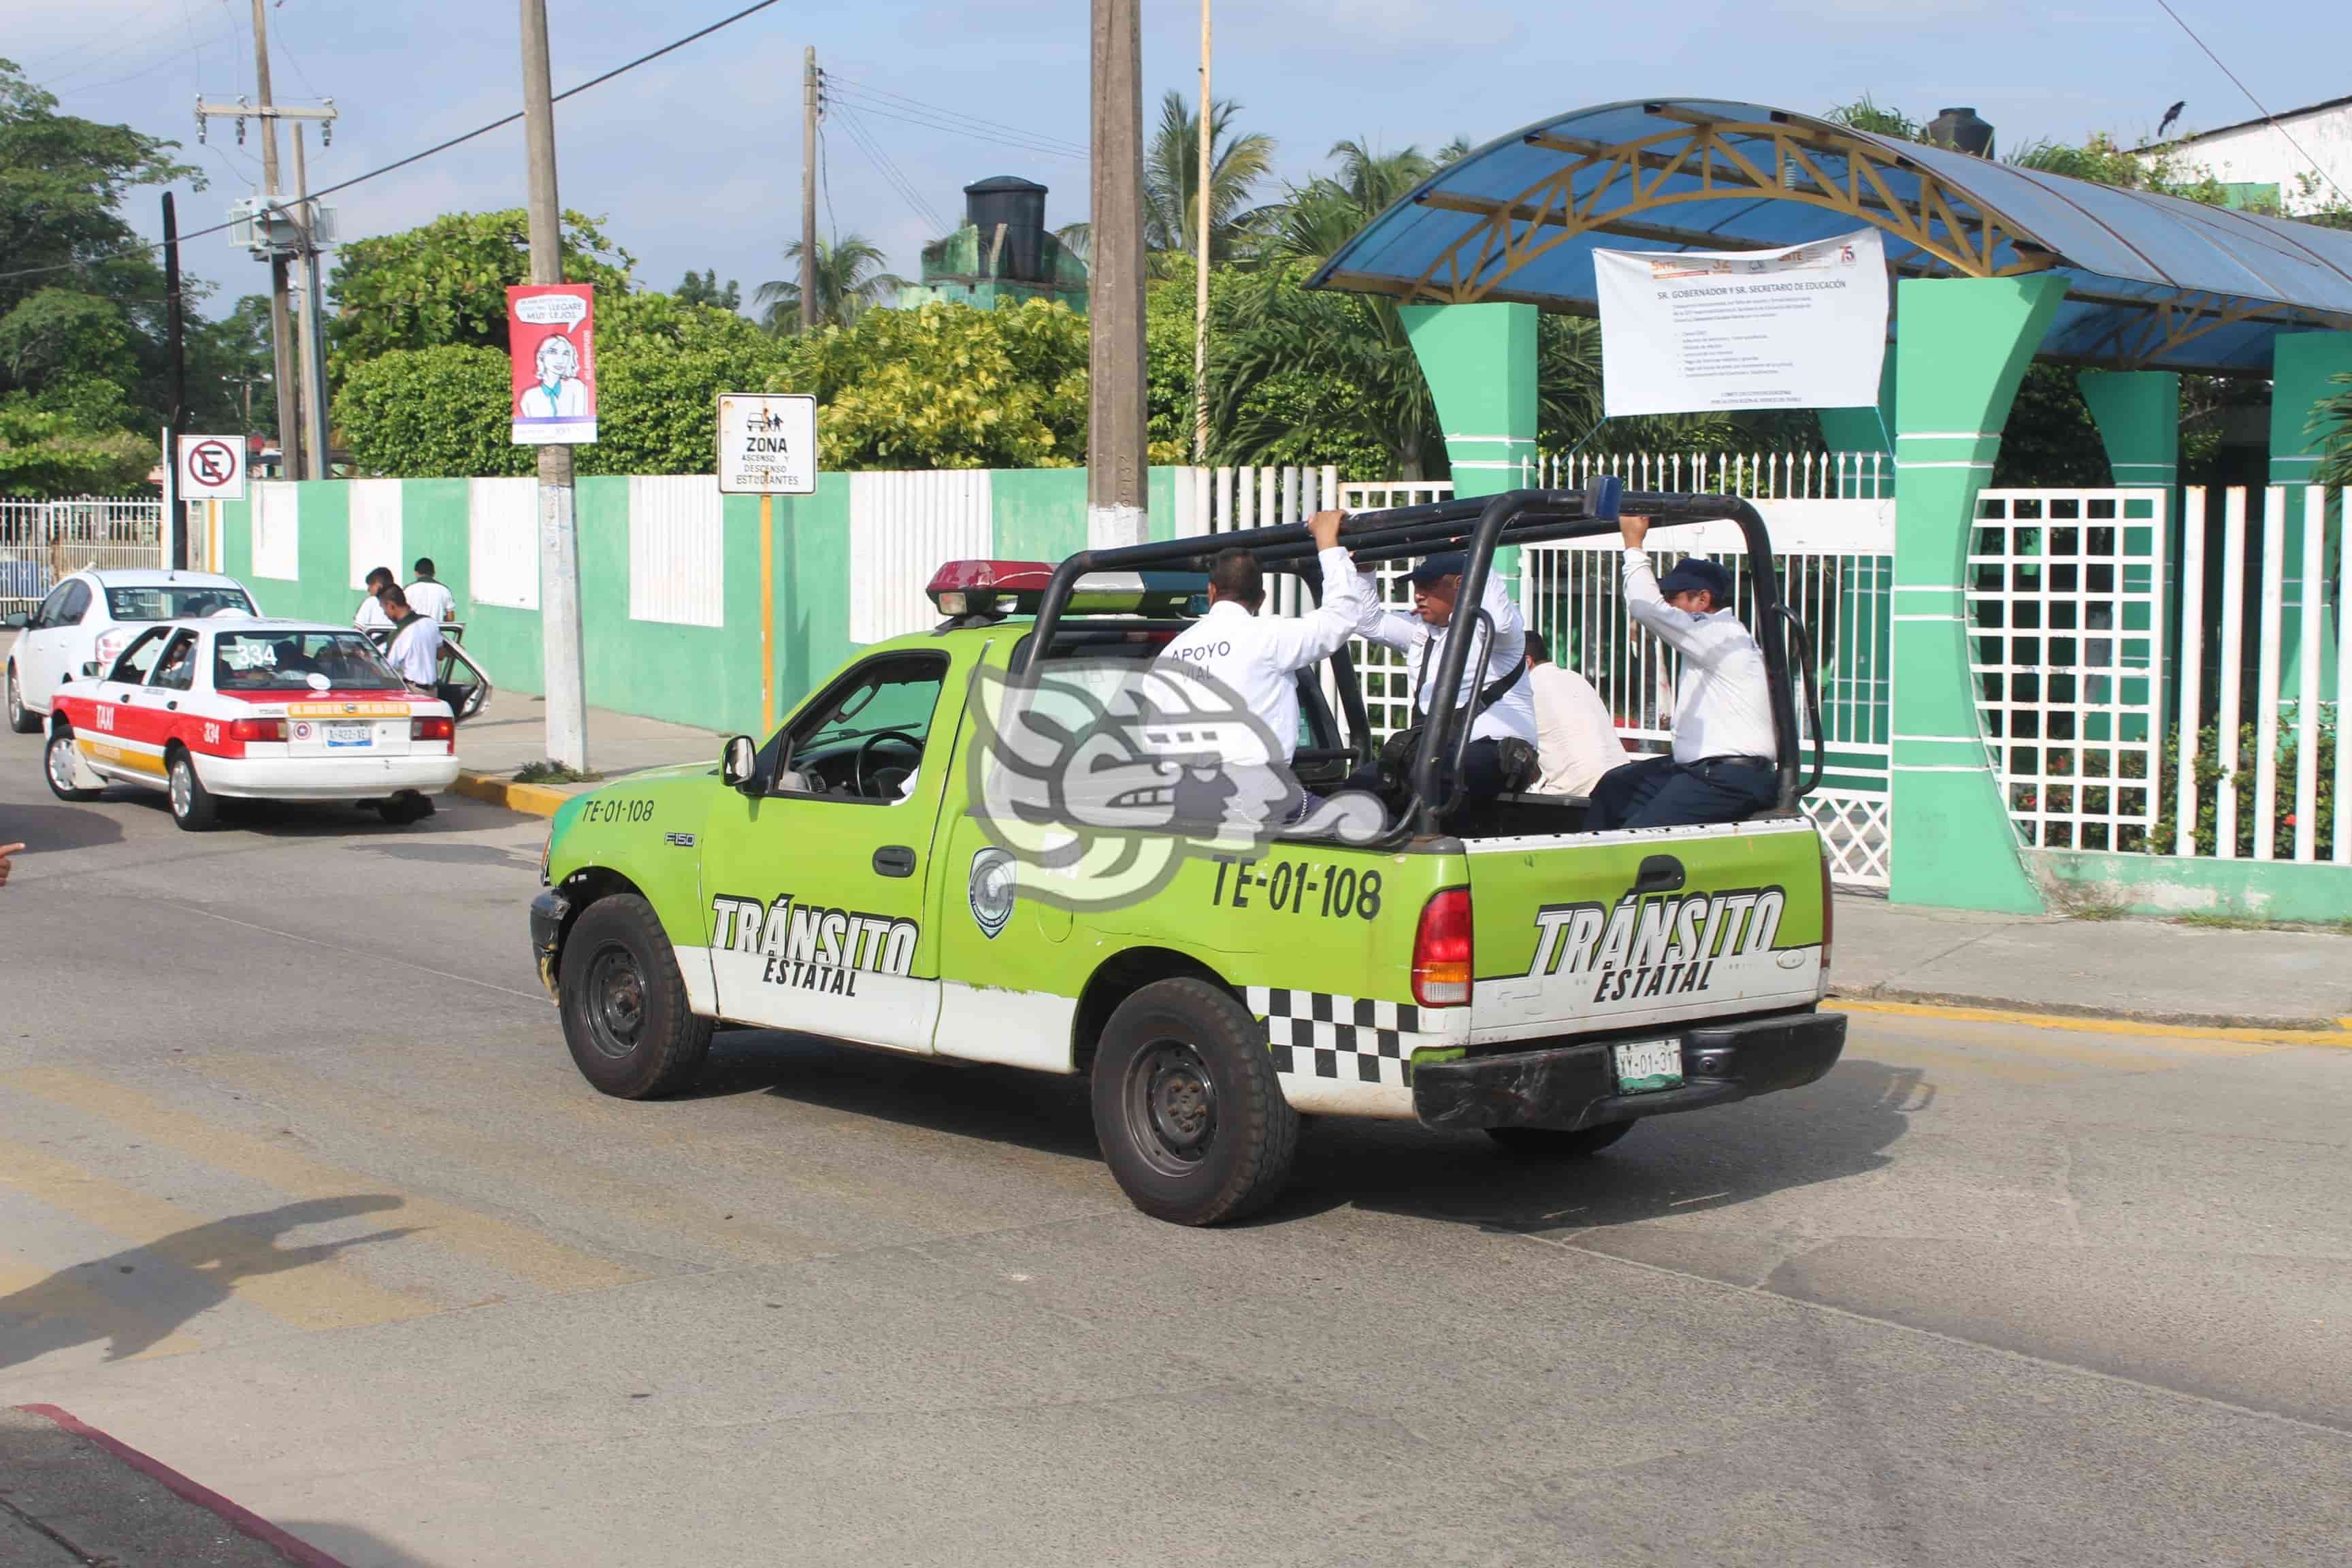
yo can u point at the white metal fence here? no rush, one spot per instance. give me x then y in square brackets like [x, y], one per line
[43, 541]
[2261, 767]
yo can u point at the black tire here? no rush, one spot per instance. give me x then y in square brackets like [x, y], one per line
[1187, 1107]
[21, 718]
[403, 808]
[58, 763]
[623, 1003]
[194, 806]
[1557, 1142]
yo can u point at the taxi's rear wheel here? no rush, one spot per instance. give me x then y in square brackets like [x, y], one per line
[192, 805]
[1557, 1142]
[59, 763]
[21, 718]
[1187, 1107]
[623, 1003]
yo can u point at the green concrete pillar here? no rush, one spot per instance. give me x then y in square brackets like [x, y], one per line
[1865, 430]
[2303, 367]
[2138, 416]
[1965, 345]
[1480, 363]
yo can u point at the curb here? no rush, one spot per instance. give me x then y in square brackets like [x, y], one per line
[2303, 1031]
[534, 800]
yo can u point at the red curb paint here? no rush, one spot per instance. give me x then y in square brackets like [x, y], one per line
[244, 1520]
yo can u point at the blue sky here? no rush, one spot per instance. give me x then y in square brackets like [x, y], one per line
[695, 161]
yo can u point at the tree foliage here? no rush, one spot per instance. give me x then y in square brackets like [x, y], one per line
[948, 387]
[445, 283]
[436, 412]
[850, 280]
[51, 454]
[1172, 179]
[702, 289]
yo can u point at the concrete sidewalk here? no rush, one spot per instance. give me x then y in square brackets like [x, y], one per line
[71, 1497]
[2150, 970]
[511, 733]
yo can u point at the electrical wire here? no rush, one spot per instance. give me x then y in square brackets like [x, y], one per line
[869, 90]
[889, 170]
[1039, 148]
[416, 157]
[2272, 120]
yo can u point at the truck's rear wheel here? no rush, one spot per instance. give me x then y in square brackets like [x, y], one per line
[1557, 1142]
[1187, 1107]
[623, 1003]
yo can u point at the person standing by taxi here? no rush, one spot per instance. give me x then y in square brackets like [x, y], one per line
[370, 611]
[1257, 657]
[416, 651]
[428, 596]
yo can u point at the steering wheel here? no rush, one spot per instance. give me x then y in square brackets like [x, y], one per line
[857, 764]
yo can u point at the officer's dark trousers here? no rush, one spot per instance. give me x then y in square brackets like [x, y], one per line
[1659, 792]
[1482, 773]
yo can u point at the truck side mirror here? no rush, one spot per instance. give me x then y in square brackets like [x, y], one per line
[16, 622]
[739, 763]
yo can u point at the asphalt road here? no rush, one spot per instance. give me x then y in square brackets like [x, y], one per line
[300, 1195]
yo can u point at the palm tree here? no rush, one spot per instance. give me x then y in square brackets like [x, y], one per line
[1324, 213]
[847, 284]
[1171, 178]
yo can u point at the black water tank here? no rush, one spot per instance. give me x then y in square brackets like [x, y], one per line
[1020, 205]
[1960, 127]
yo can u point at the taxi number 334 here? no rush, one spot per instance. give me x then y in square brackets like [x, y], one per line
[1332, 892]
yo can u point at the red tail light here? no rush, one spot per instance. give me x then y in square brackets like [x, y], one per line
[1442, 956]
[257, 730]
[434, 729]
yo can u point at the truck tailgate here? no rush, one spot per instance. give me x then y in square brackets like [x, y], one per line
[1583, 933]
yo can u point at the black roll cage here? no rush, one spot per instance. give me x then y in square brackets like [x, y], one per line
[1478, 526]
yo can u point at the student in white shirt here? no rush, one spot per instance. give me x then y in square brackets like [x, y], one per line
[416, 652]
[427, 596]
[371, 610]
[1510, 714]
[1257, 657]
[1575, 735]
[1724, 766]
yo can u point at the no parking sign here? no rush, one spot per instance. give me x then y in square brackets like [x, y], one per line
[212, 467]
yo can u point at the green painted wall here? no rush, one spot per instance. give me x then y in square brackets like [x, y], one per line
[1041, 513]
[2167, 885]
[2303, 367]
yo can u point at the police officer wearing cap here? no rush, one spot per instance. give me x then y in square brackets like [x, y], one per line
[1725, 764]
[1498, 693]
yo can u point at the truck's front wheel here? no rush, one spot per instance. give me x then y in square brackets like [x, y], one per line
[1190, 1114]
[623, 1003]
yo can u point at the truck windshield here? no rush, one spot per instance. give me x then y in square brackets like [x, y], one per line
[173, 602]
[286, 661]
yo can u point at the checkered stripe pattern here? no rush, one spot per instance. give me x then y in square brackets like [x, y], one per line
[1314, 1034]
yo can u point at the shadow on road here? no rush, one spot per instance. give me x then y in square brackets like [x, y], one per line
[351, 1547]
[1841, 1126]
[42, 829]
[176, 1278]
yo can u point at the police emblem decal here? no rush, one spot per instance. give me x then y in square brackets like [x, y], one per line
[991, 890]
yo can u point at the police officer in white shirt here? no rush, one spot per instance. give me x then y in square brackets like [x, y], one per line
[427, 596]
[1508, 711]
[416, 652]
[1724, 766]
[1575, 734]
[370, 611]
[1257, 657]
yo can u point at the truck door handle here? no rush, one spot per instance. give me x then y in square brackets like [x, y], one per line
[1659, 873]
[895, 860]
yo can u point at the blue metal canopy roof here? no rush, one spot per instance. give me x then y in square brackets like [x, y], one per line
[2153, 281]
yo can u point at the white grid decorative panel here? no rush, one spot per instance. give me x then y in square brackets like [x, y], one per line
[374, 527]
[902, 527]
[502, 530]
[2065, 592]
[678, 557]
[277, 531]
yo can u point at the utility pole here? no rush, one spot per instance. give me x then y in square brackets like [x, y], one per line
[282, 335]
[559, 540]
[808, 192]
[175, 350]
[1115, 415]
[313, 348]
[1201, 284]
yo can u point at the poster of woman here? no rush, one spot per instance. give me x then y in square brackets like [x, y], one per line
[550, 341]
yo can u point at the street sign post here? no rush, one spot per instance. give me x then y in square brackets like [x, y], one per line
[212, 467]
[767, 444]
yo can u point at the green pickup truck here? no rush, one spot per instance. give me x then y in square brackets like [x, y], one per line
[1493, 967]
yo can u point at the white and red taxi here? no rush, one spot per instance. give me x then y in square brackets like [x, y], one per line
[256, 708]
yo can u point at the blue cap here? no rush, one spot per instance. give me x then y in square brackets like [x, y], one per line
[1435, 566]
[1698, 572]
